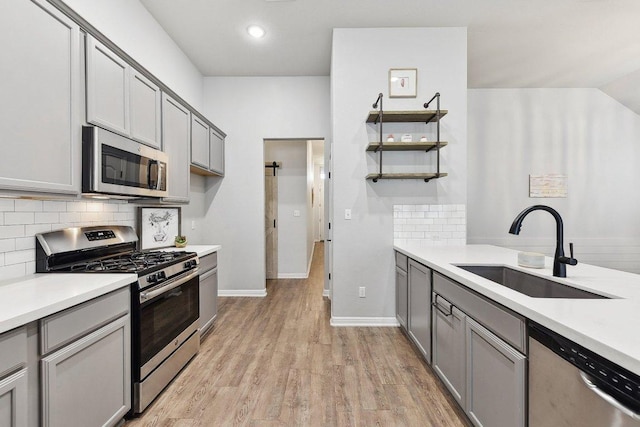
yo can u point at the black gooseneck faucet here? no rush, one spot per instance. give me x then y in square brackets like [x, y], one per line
[559, 260]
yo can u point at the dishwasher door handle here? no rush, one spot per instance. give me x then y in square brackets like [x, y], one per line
[607, 397]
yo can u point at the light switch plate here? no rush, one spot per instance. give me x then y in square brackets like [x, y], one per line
[347, 214]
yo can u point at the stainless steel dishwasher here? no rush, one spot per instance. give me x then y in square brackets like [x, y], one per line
[570, 386]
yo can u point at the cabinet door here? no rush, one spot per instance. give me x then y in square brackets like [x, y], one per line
[402, 285]
[13, 400]
[208, 300]
[449, 354]
[40, 86]
[495, 379]
[93, 373]
[216, 159]
[107, 88]
[199, 142]
[176, 138]
[145, 100]
[420, 307]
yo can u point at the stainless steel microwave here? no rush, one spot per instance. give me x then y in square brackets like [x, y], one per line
[115, 165]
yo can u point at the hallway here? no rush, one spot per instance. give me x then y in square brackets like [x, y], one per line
[276, 361]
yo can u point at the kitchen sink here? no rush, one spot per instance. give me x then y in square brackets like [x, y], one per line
[533, 286]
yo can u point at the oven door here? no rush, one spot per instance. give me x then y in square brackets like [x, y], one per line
[167, 316]
[113, 164]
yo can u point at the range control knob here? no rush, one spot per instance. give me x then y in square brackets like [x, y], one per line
[162, 275]
[152, 278]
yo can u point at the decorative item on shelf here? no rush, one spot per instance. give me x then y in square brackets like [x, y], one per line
[156, 226]
[423, 139]
[403, 82]
[390, 138]
[406, 138]
[181, 241]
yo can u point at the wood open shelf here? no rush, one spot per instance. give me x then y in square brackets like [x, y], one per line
[424, 116]
[424, 176]
[405, 146]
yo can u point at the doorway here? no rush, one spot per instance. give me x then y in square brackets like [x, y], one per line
[294, 205]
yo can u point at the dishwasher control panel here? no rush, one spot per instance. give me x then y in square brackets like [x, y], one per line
[618, 381]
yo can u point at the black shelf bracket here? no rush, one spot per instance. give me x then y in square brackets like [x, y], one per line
[379, 148]
[426, 105]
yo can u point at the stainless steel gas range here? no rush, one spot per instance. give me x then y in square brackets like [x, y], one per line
[164, 300]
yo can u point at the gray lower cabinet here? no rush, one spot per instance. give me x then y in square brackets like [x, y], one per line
[41, 112]
[419, 325]
[402, 287]
[208, 292]
[176, 140]
[85, 370]
[449, 347]
[496, 379]
[13, 378]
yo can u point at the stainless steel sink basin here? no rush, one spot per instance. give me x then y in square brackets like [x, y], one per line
[528, 284]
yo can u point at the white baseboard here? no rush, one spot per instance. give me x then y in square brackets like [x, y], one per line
[259, 293]
[364, 321]
[293, 276]
[325, 293]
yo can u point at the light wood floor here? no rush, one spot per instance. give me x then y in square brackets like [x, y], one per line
[276, 361]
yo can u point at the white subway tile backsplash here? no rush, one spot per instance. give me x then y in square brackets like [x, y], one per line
[15, 218]
[7, 205]
[22, 205]
[54, 206]
[430, 225]
[17, 257]
[9, 231]
[21, 220]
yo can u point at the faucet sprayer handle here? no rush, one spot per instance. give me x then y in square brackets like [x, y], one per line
[569, 260]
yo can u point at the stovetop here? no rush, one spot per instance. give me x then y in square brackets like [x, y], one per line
[134, 262]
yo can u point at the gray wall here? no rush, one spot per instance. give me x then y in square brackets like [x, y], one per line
[582, 133]
[363, 246]
[249, 110]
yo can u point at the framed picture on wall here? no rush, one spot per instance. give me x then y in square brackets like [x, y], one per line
[403, 82]
[158, 227]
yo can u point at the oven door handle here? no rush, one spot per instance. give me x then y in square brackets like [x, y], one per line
[178, 281]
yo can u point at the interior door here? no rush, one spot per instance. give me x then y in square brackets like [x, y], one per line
[271, 219]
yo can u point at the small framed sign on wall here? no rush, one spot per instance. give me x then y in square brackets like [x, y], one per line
[158, 227]
[548, 186]
[403, 82]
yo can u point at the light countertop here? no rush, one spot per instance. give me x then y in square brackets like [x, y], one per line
[33, 297]
[608, 327]
[201, 250]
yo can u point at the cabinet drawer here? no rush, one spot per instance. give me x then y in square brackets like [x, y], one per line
[68, 325]
[208, 262]
[401, 261]
[13, 350]
[504, 323]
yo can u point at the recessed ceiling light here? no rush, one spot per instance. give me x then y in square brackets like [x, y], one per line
[256, 31]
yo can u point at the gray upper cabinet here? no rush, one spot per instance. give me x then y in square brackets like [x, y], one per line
[40, 116]
[176, 139]
[420, 307]
[199, 142]
[216, 159]
[145, 100]
[496, 379]
[119, 98]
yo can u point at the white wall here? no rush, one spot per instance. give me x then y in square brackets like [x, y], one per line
[130, 26]
[249, 110]
[363, 246]
[292, 196]
[582, 133]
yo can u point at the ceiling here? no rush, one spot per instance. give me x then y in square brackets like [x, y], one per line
[511, 43]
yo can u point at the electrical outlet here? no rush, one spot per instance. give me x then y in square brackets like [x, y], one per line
[296, 213]
[362, 292]
[347, 214]
[193, 225]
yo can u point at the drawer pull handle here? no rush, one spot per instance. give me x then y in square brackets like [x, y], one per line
[441, 310]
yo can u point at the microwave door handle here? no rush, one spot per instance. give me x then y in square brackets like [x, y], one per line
[161, 169]
[152, 179]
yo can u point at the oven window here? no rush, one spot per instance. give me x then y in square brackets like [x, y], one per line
[163, 318]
